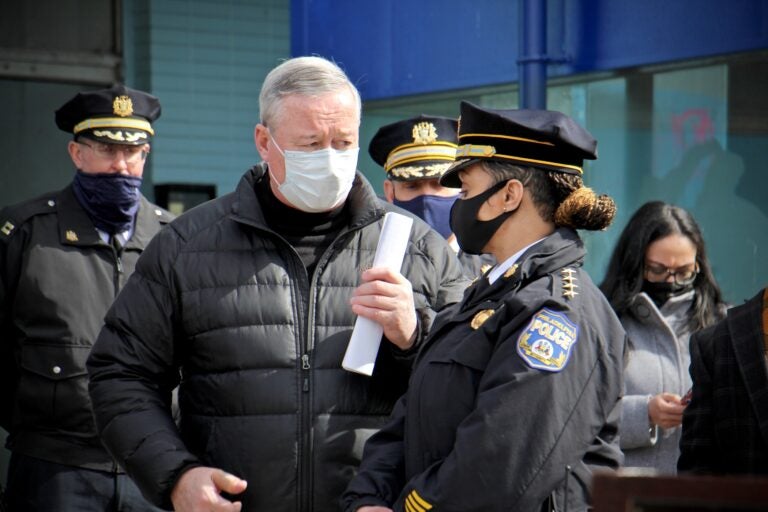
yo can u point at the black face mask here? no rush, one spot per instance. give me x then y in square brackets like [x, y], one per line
[661, 292]
[472, 234]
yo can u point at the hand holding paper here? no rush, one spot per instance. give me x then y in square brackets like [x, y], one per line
[384, 302]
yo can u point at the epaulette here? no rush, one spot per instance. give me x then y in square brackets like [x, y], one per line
[14, 216]
[163, 215]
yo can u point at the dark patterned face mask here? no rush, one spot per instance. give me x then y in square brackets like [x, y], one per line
[472, 234]
[111, 200]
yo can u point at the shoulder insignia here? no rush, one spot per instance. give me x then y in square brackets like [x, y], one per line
[16, 215]
[509, 273]
[71, 236]
[415, 503]
[479, 319]
[7, 228]
[484, 268]
[547, 342]
[569, 283]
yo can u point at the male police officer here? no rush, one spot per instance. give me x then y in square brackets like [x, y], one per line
[414, 153]
[64, 256]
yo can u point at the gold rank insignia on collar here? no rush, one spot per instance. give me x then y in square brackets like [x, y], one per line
[569, 283]
[415, 503]
[71, 236]
[480, 318]
[7, 228]
[511, 271]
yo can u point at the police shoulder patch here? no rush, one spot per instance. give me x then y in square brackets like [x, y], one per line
[12, 217]
[547, 341]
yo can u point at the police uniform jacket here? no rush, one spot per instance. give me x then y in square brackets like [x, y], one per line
[57, 280]
[513, 399]
[260, 344]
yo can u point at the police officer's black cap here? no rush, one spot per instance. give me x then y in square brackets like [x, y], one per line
[418, 148]
[118, 115]
[536, 138]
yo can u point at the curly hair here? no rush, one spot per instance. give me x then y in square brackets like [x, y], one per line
[558, 197]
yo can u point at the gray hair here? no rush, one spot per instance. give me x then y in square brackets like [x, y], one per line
[306, 76]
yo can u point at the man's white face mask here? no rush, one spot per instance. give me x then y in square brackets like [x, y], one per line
[317, 181]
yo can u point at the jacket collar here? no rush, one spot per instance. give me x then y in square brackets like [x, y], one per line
[563, 248]
[364, 206]
[77, 229]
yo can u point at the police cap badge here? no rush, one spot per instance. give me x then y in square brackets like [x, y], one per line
[118, 115]
[421, 147]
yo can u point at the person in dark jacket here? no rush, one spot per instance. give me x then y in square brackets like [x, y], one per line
[249, 301]
[415, 153]
[64, 256]
[513, 398]
[724, 425]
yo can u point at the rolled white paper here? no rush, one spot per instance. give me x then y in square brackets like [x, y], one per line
[366, 335]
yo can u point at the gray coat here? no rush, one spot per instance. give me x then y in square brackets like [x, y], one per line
[658, 362]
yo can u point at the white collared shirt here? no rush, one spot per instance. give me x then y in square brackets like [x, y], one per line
[502, 267]
[124, 236]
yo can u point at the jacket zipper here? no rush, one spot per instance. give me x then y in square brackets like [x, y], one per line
[305, 413]
[118, 270]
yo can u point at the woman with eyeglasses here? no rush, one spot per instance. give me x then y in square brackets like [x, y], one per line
[661, 286]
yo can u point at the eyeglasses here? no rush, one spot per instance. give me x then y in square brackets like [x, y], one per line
[131, 154]
[681, 275]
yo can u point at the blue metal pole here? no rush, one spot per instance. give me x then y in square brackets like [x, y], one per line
[533, 54]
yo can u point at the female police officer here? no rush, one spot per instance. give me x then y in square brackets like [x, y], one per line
[514, 396]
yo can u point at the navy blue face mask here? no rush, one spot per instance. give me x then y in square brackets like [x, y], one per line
[111, 200]
[434, 210]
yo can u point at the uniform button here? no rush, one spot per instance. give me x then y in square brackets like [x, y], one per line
[158, 212]
[51, 202]
[56, 369]
[643, 311]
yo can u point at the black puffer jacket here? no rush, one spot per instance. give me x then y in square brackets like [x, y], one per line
[259, 344]
[57, 280]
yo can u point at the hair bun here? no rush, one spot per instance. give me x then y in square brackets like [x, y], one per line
[583, 209]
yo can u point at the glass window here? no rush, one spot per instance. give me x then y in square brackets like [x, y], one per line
[691, 135]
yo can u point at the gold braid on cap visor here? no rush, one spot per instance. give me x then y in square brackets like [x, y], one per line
[484, 151]
[113, 122]
[408, 153]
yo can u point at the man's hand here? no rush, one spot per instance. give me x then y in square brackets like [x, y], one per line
[199, 490]
[665, 410]
[374, 509]
[386, 297]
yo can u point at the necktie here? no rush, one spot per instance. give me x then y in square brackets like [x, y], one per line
[116, 242]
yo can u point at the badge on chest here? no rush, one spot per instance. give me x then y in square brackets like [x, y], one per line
[547, 341]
